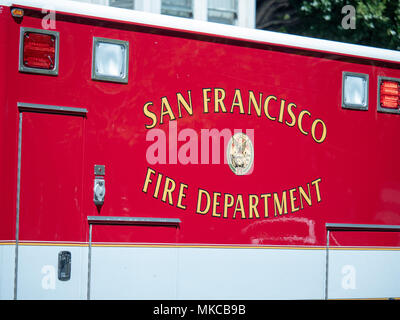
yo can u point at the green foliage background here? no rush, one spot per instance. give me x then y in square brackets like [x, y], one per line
[377, 21]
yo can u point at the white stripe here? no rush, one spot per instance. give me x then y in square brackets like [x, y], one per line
[208, 28]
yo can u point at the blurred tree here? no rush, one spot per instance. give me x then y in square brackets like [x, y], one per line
[377, 21]
[275, 14]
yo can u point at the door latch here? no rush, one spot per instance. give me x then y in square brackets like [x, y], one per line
[99, 189]
[64, 265]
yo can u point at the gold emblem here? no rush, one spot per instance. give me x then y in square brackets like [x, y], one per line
[240, 153]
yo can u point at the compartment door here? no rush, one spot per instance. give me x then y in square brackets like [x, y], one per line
[363, 262]
[133, 258]
[50, 164]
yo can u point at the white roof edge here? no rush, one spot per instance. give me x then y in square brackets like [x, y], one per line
[157, 20]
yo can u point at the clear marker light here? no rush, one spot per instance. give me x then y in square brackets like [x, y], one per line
[355, 90]
[110, 59]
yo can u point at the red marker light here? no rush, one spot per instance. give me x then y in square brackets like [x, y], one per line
[390, 94]
[39, 50]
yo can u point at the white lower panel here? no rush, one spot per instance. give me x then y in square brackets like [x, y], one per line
[133, 273]
[206, 273]
[7, 265]
[251, 273]
[38, 273]
[200, 273]
[364, 274]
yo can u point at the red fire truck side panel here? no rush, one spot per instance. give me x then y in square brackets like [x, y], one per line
[349, 176]
[8, 140]
[162, 138]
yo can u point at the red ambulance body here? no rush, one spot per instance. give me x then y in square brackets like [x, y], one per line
[154, 157]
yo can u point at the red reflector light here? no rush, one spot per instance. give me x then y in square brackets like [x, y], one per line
[39, 50]
[390, 87]
[389, 94]
[389, 102]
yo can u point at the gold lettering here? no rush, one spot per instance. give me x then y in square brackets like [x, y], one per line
[300, 119]
[281, 206]
[188, 106]
[166, 109]
[168, 190]
[304, 195]
[237, 101]
[181, 195]
[239, 207]
[158, 183]
[215, 204]
[266, 103]
[281, 110]
[323, 136]
[206, 99]
[150, 115]
[266, 196]
[315, 183]
[148, 179]
[219, 100]
[199, 197]
[228, 204]
[253, 206]
[291, 114]
[292, 200]
[253, 101]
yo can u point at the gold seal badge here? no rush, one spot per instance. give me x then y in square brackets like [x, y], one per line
[240, 153]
